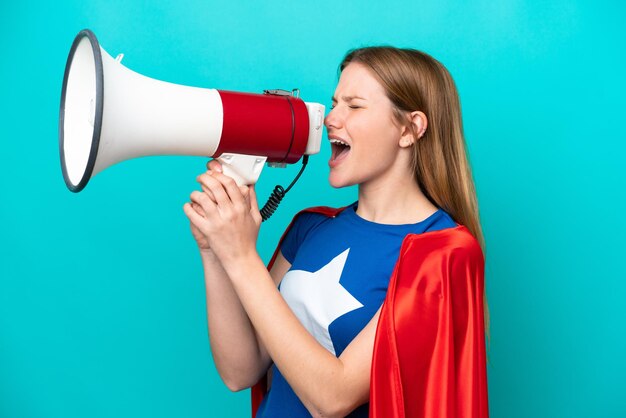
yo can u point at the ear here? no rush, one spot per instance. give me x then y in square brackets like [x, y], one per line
[420, 122]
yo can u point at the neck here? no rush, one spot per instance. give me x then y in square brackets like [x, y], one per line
[393, 200]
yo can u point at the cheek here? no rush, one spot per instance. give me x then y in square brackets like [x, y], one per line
[374, 133]
[366, 124]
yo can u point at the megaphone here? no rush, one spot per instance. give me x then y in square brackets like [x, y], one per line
[110, 114]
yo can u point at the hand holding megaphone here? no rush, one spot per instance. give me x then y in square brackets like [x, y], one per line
[110, 114]
[199, 199]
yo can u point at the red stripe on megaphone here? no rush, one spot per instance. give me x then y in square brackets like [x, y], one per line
[264, 124]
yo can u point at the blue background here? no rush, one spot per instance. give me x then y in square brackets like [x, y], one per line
[102, 307]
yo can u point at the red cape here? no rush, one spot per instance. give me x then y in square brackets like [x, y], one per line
[429, 349]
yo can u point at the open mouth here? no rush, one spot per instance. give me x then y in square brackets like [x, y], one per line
[340, 150]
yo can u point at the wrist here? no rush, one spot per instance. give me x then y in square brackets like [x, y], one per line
[243, 266]
[207, 255]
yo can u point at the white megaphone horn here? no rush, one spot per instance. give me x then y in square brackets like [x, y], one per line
[111, 114]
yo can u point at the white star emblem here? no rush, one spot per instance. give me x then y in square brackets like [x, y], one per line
[317, 298]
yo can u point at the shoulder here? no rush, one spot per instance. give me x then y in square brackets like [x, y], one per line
[299, 228]
[303, 224]
[314, 215]
[325, 211]
[454, 244]
[448, 262]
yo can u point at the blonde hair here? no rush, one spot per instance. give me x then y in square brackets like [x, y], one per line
[414, 81]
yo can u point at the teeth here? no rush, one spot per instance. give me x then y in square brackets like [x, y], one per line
[339, 142]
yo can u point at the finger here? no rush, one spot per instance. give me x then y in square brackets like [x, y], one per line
[214, 165]
[254, 204]
[192, 215]
[215, 187]
[208, 191]
[230, 186]
[245, 192]
[201, 199]
[198, 209]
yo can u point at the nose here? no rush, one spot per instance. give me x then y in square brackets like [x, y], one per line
[332, 120]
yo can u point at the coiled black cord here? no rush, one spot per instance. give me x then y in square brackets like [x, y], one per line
[279, 192]
[272, 202]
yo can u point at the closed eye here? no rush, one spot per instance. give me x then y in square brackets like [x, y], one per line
[350, 106]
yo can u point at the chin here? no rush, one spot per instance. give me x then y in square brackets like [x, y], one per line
[337, 181]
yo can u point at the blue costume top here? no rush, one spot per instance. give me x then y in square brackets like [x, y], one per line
[340, 270]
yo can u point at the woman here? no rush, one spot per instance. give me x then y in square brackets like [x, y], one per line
[315, 321]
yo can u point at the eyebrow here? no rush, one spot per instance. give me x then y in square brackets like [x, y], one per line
[347, 98]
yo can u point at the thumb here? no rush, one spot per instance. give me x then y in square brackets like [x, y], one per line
[214, 165]
[245, 192]
[254, 204]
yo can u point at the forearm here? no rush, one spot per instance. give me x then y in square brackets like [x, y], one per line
[316, 375]
[236, 352]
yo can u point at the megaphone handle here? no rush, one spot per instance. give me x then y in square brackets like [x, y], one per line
[244, 169]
